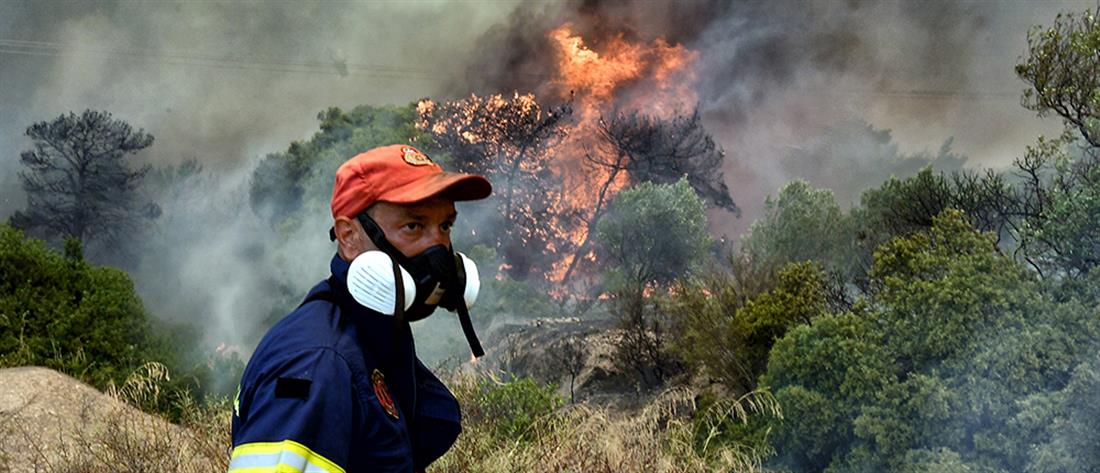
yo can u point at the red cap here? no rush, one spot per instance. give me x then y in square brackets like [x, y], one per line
[399, 174]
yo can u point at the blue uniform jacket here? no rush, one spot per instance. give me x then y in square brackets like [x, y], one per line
[337, 387]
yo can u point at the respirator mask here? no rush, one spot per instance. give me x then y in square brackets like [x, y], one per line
[410, 289]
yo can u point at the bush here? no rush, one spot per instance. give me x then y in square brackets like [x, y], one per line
[510, 407]
[720, 330]
[68, 315]
[652, 235]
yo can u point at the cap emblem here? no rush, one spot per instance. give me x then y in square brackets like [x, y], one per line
[415, 157]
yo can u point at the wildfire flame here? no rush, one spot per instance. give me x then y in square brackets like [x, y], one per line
[654, 78]
[598, 81]
[660, 72]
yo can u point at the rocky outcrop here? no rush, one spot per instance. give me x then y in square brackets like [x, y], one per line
[50, 422]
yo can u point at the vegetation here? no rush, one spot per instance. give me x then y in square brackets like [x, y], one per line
[66, 314]
[61, 312]
[583, 437]
[652, 235]
[509, 140]
[284, 183]
[947, 321]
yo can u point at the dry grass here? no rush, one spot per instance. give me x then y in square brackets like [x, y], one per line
[585, 438]
[110, 435]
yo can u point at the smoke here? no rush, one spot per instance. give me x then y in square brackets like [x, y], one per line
[225, 83]
[772, 76]
[221, 83]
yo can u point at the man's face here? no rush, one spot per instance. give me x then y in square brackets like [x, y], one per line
[413, 228]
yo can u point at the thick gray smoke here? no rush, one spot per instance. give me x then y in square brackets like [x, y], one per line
[225, 83]
[773, 76]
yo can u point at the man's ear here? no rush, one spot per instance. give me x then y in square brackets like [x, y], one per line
[350, 236]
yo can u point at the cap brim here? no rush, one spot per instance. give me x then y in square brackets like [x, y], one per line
[451, 185]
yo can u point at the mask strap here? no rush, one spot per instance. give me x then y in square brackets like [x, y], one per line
[468, 330]
[464, 313]
[399, 299]
[378, 237]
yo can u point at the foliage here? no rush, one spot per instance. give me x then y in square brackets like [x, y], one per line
[583, 437]
[639, 148]
[514, 406]
[1063, 71]
[727, 335]
[821, 374]
[1066, 422]
[87, 321]
[900, 207]
[799, 296]
[702, 312]
[77, 181]
[283, 182]
[69, 315]
[652, 234]
[1060, 193]
[1060, 206]
[948, 362]
[802, 224]
[945, 289]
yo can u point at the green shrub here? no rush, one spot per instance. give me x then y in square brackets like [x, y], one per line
[720, 330]
[512, 407]
[68, 315]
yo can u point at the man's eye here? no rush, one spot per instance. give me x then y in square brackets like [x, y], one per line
[413, 226]
[446, 227]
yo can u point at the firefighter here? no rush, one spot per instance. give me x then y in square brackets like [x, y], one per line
[336, 385]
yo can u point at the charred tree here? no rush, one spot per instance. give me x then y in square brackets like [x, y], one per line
[662, 151]
[570, 358]
[77, 182]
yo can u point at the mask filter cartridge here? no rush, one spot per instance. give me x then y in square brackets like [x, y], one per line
[371, 283]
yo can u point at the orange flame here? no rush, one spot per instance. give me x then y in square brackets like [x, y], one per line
[660, 71]
[655, 79]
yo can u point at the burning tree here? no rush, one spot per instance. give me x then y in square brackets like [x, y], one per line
[77, 184]
[646, 148]
[510, 141]
[556, 177]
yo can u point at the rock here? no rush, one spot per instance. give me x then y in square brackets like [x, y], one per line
[52, 422]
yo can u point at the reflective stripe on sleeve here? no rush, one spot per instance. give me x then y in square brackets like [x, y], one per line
[287, 456]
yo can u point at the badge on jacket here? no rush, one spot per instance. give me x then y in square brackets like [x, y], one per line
[383, 393]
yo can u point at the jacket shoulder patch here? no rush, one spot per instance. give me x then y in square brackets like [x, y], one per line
[292, 388]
